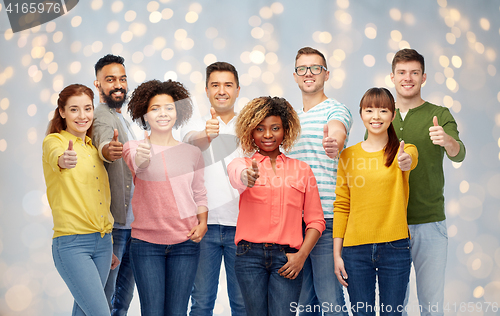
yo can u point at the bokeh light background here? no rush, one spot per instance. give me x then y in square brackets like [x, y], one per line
[178, 39]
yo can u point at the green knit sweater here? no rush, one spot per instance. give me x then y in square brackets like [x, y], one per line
[426, 202]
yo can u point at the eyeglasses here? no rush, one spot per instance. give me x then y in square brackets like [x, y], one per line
[315, 70]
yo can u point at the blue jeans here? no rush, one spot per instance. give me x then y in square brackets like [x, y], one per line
[429, 248]
[321, 291]
[119, 288]
[164, 275]
[265, 292]
[217, 243]
[84, 261]
[391, 263]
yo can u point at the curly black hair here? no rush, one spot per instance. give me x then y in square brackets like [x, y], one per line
[108, 59]
[139, 103]
[256, 111]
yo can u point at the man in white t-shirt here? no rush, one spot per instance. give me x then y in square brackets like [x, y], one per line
[214, 134]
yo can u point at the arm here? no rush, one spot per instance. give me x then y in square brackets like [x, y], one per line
[334, 135]
[295, 262]
[112, 150]
[339, 262]
[445, 134]
[196, 234]
[202, 139]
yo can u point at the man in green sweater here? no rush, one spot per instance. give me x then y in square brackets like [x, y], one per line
[434, 131]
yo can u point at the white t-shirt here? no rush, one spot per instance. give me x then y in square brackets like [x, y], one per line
[223, 199]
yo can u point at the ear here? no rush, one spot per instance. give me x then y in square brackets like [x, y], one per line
[327, 75]
[96, 84]
[424, 77]
[238, 91]
[61, 113]
[295, 77]
[392, 77]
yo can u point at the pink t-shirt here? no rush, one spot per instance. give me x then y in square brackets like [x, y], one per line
[167, 193]
[272, 210]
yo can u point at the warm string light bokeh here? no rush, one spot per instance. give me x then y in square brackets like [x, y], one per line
[177, 40]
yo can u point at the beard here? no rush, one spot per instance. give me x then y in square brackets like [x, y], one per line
[108, 99]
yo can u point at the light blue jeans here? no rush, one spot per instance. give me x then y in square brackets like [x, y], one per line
[217, 243]
[84, 261]
[119, 288]
[321, 290]
[429, 249]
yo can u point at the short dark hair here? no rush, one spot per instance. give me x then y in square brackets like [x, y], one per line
[406, 55]
[139, 103]
[310, 51]
[222, 66]
[108, 59]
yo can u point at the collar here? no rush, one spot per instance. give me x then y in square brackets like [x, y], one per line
[72, 137]
[259, 157]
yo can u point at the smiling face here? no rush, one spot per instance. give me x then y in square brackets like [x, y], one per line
[222, 91]
[268, 136]
[310, 83]
[408, 79]
[78, 114]
[161, 114]
[376, 120]
[111, 82]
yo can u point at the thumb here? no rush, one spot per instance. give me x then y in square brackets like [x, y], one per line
[212, 112]
[70, 146]
[146, 136]
[401, 147]
[325, 131]
[435, 121]
[115, 136]
[255, 166]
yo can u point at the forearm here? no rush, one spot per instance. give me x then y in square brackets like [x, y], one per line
[310, 240]
[202, 215]
[452, 147]
[337, 247]
[198, 139]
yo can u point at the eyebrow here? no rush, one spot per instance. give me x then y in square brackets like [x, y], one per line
[226, 82]
[113, 76]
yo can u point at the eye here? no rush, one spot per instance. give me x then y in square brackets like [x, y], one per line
[276, 128]
[259, 129]
[301, 68]
[123, 80]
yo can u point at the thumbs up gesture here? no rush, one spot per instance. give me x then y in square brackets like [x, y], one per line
[438, 135]
[250, 175]
[404, 159]
[212, 126]
[143, 152]
[330, 144]
[115, 148]
[68, 159]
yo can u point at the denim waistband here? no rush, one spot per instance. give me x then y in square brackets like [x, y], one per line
[264, 245]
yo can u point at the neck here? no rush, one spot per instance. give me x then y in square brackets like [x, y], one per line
[404, 104]
[81, 135]
[163, 138]
[311, 100]
[375, 142]
[226, 116]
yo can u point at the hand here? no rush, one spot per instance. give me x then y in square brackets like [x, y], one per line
[250, 175]
[330, 144]
[115, 148]
[115, 262]
[143, 152]
[404, 159]
[340, 271]
[212, 126]
[294, 265]
[196, 234]
[68, 159]
[438, 135]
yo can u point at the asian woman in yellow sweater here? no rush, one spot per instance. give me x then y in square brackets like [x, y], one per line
[370, 231]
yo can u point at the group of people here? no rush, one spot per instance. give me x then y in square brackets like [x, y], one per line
[258, 189]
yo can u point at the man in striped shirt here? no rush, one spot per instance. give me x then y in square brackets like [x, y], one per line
[325, 127]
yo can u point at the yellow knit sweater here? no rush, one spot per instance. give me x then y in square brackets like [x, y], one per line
[371, 201]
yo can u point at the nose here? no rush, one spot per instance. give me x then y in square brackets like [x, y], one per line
[376, 114]
[268, 134]
[222, 90]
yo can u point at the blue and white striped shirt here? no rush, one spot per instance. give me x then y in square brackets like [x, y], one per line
[309, 147]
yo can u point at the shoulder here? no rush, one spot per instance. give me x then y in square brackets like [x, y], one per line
[54, 138]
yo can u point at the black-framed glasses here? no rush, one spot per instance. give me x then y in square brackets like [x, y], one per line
[315, 70]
